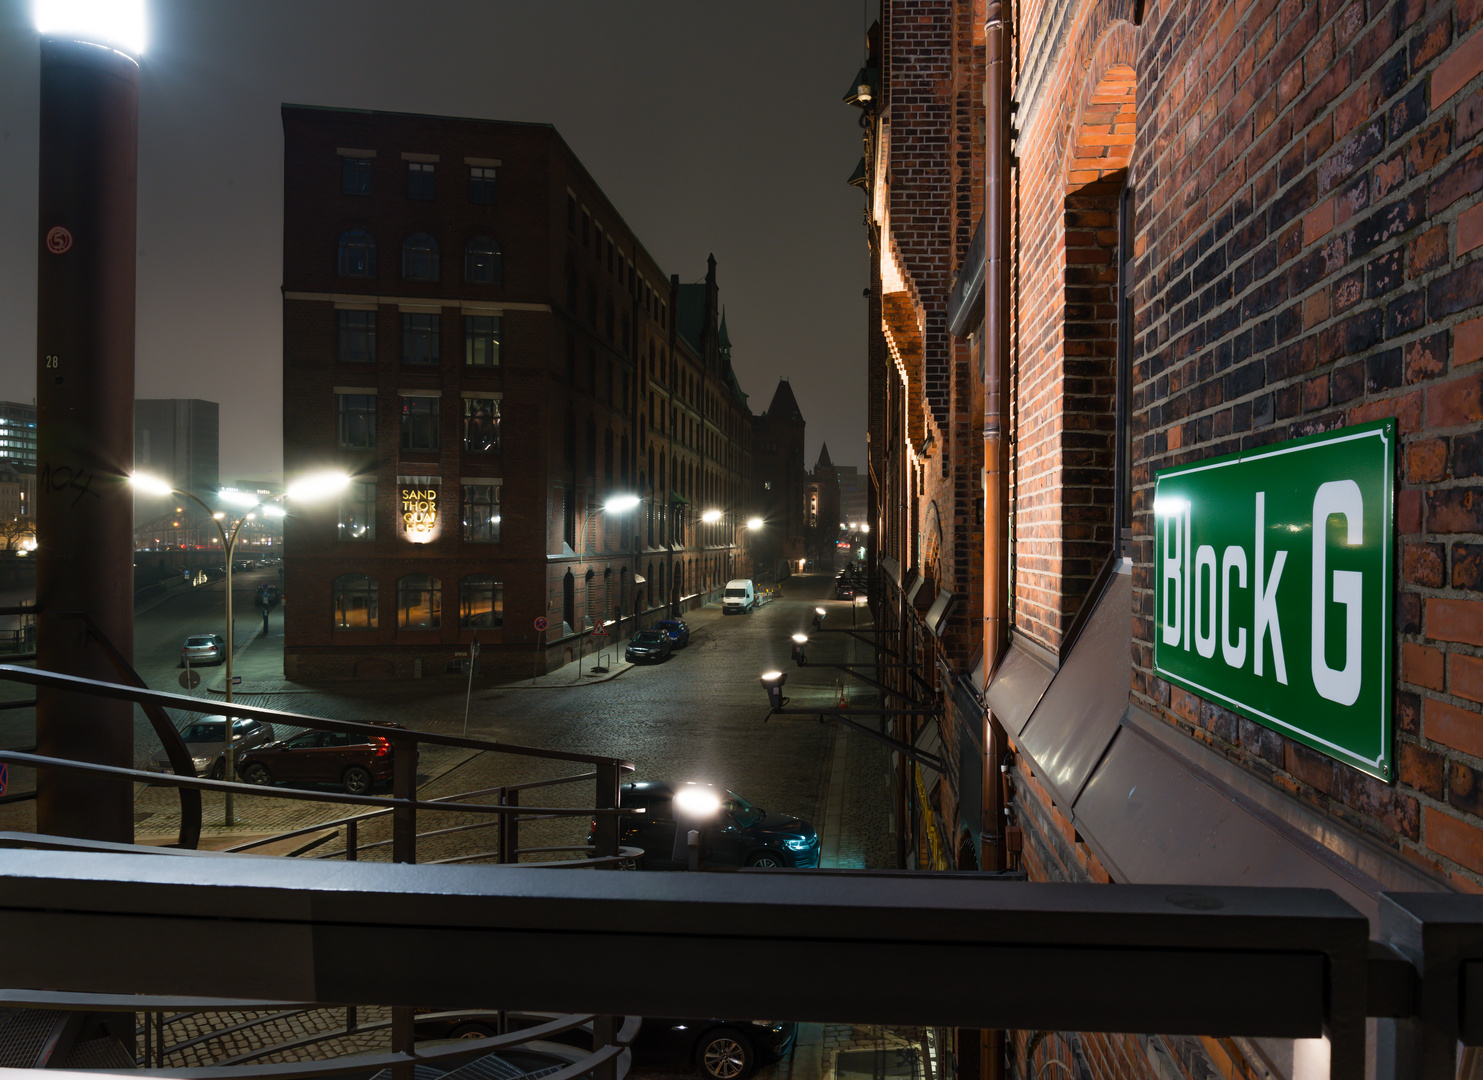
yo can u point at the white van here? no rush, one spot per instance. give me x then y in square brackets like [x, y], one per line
[739, 596]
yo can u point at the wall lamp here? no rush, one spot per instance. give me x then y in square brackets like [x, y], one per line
[799, 655]
[772, 682]
[819, 614]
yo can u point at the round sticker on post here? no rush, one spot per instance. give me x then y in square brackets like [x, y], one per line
[541, 623]
[58, 240]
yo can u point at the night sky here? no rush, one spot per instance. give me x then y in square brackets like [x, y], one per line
[714, 127]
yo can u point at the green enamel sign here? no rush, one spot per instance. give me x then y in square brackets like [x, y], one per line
[1273, 580]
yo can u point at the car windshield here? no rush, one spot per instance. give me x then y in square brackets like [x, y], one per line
[204, 732]
[736, 592]
[648, 636]
[199, 641]
[745, 813]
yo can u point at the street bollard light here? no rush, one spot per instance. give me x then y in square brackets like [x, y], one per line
[772, 682]
[800, 656]
[694, 807]
[819, 614]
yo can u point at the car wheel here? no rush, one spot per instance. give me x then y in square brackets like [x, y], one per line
[724, 1054]
[219, 769]
[472, 1029]
[768, 860]
[357, 780]
[632, 864]
[257, 773]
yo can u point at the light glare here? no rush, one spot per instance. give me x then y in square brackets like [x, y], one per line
[150, 485]
[697, 801]
[710, 517]
[318, 485]
[619, 504]
[118, 24]
[754, 523]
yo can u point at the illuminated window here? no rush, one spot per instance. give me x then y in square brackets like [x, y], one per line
[481, 262]
[481, 184]
[480, 425]
[481, 513]
[420, 258]
[419, 423]
[419, 180]
[358, 513]
[358, 421]
[355, 602]
[419, 602]
[357, 337]
[355, 176]
[481, 601]
[481, 340]
[357, 254]
[419, 338]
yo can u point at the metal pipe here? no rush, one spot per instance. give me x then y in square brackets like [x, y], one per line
[86, 255]
[996, 337]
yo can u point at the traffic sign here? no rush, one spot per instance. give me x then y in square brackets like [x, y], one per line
[236, 680]
[4, 776]
[599, 630]
[190, 679]
[541, 623]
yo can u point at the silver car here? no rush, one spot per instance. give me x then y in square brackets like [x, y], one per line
[203, 649]
[204, 739]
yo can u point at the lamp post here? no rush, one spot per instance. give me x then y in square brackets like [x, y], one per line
[615, 504]
[320, 485]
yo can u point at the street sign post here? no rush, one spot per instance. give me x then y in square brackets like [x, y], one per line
[1273, 575]
[190, 679]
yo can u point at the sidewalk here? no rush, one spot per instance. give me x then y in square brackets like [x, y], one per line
[258, 664]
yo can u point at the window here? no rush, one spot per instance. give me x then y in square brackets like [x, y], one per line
[355, 176]
[357, 337]
[571, 214]
[419, 423]
[419, 338]
[481, 601]
[358, 511]
[419, 180]
[419, 602]
[481, 262]
[355, 602]
[481, 513]
[358, 421]
[481, 340]
[357, 254]
[481, 184]
[480, 425]
[420, 258]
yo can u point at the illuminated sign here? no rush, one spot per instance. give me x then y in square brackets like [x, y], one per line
[420, 513]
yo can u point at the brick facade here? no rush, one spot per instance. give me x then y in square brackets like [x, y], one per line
[606, 377]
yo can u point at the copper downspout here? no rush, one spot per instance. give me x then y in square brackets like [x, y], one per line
[996, 339]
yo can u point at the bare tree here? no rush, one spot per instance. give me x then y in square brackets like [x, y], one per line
[16, 531]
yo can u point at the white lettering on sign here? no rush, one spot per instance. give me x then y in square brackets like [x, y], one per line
[1341, 498]
[420, 512]
[1173, 573]
[1264, 620]
[1233, 652]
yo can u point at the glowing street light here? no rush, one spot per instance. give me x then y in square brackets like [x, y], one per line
[710, 517]
[309, 489]
[755, 523]
[772, 682]
[116, 24]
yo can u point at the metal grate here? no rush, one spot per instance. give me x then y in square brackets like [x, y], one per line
[27, 1034]
[104, 1053]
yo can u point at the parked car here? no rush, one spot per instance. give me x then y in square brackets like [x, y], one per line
[206, 741]
[716, 1049]
[653, 644]
[678, 631]
[203, 649]
[740, 596]
[844, 590]
[351, 760]
[742, 834]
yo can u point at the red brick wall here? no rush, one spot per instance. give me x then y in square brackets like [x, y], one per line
[1308, 260]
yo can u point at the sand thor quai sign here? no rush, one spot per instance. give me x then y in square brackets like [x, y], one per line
[1274, 575]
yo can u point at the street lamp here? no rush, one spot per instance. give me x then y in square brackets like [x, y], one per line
[308, 489]
[772, 682]
[799, 655]
[819, 614]
[615, 504]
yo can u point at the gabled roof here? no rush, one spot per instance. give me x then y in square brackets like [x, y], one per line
[784, 405]
[823, 460]
[723, 339]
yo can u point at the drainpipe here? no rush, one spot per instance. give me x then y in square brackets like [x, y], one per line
[996, 409]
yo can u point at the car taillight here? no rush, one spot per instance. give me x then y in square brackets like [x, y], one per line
[383, 746]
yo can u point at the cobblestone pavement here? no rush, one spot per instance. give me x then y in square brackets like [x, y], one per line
[698, 716]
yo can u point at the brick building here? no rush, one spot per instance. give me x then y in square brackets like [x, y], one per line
[473, 332]
[780, 480]
[824, 516]
[1228, 252]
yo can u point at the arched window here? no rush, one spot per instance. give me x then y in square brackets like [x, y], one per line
[354, 602]
[481, 262]
[357, 254]
[419, 602]
[481, 601]
[420, 258]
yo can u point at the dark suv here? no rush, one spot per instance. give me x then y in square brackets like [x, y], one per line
[741, 835]
[348, 759]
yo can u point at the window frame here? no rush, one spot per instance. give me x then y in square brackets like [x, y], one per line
[412, 332]
[482, 184]
[431, 418]
[355, 176]
[431, 588]
[417, 187]
[470, 411]
[496, 596]
[345, 415]
[371, 592]
[345, 333]
[486, 531]
[475, 335]
[493, 264]
[417, 247]
[345, 245]
[358, 498]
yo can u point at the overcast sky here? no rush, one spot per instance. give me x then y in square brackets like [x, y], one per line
[713, 127]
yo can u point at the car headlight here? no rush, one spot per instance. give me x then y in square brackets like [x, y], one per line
[199, 761]
[798, 845]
